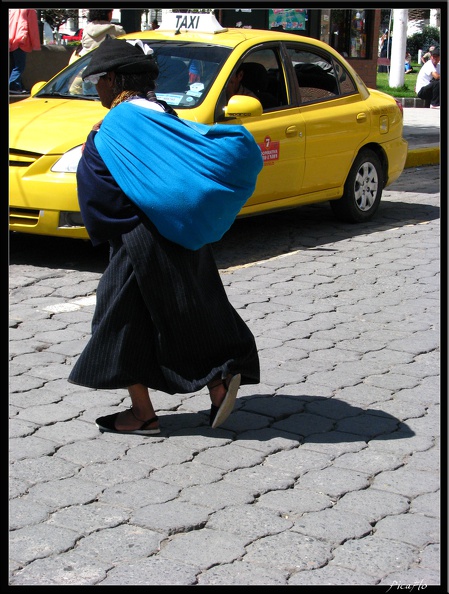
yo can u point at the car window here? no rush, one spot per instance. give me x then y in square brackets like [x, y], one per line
[319, 76]
[186, 73]
[263, 76]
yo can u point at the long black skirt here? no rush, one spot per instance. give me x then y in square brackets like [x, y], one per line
[163, 319]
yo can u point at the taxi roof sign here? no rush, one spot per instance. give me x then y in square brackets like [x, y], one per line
[189, 21]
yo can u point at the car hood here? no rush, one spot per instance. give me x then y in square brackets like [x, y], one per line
[51, 126]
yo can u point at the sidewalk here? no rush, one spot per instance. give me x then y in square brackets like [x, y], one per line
[422, 132]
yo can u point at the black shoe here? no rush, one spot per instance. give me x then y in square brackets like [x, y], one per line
[107, 425]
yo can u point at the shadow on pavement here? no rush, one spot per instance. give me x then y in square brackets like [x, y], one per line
[249, 240]
[303, 418]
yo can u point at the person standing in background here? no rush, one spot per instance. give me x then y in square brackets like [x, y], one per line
[385, 49]
[95, 32]
[23, 38]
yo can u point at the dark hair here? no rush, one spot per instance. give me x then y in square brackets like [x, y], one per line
[436, 52]
[99, 15]
[141, 82]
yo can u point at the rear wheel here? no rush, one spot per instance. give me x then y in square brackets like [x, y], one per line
[362, 191]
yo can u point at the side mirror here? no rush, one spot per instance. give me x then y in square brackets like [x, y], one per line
[37, 87]
[242, 106]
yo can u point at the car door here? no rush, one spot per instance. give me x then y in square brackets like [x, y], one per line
[335, 116]
[279, 131]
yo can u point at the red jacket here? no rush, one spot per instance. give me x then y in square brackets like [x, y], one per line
[23, 30]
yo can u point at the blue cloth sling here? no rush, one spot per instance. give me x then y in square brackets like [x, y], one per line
[190, 179]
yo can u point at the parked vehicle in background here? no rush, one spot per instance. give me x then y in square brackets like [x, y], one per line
[77, 37]
[323, 134]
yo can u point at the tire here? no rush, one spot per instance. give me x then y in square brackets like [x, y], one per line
[362, 191]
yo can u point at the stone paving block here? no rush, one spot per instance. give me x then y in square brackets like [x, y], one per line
[297, 461]
[84, 453]
[114, 472]
[137, 494]
[187, 474]
[367, 426]
[25, 382]
[261, 478]
[35, 470]
[230, 457]
[430, 557]
[363, 395]
[267, 440]
[403, 442]
[34, 397]
[48, 414]
[69, 348]
[119, 544]
[392, 381]
[373, 504]
[215, 496]
[67, 431]
[29, 447]
[377, 556]
[241, 573]
[159, 454]
[304, 424]
[64, 492]
[334, 443]
[204, 548]
[333, 481]
[276, 407]
[415, 529]
[413, 579]
[396, 407]
[293, 503]
[248, 522]
[403, 482]
[331, 576]
[152, 571]
[40, 540]
[23, 512]
[427, 504]
[18, 428]
[332, 525]
[369, 461]
[427, 460]
[89, 517]
[171, 517]
[288, 551]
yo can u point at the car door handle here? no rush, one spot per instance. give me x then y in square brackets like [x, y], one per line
[361, 117]
[291, 131]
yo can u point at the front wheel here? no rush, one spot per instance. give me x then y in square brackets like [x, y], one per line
[362, 191]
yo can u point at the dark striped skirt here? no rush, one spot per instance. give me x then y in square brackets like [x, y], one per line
[163, 319]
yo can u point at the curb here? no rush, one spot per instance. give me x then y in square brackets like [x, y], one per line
[423, 156]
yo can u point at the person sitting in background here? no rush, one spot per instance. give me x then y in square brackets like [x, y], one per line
[408, 63]
[428, 81]
[95, 32]
[426, 57]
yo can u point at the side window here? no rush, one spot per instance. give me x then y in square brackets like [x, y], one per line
[259, 74]
[319, 77]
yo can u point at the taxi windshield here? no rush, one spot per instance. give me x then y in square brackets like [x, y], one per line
[186, 73]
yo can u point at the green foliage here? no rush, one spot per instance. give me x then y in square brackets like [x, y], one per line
[423, 40]
[407, 90]
[58, 16]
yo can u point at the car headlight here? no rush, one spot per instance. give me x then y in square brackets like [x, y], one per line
[68, 163]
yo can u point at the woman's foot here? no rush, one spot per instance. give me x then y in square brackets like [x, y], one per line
[223, 394]
[128, 422]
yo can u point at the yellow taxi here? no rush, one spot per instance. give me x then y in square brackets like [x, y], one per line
[323, 134]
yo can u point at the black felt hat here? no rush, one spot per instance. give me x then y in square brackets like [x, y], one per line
[117, 55]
